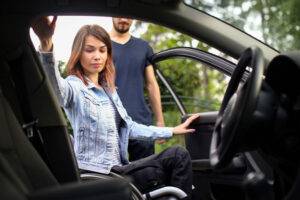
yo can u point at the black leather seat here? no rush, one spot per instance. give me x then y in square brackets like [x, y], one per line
[24, 175]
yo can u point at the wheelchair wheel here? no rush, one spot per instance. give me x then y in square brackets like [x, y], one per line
[135, 193]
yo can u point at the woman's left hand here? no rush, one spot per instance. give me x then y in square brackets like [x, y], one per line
[183, 128]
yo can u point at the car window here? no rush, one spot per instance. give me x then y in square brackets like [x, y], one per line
[161, 38]
[199, 87]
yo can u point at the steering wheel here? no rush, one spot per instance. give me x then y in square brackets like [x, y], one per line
[237, 108]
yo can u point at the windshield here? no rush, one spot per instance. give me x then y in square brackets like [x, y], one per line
[274, 22]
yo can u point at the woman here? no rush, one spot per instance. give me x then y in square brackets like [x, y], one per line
[100, 123]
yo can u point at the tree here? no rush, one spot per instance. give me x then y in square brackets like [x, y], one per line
[278, 21]
[188, 78]
[62, 68]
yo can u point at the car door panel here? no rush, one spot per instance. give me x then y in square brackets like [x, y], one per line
[198, 143]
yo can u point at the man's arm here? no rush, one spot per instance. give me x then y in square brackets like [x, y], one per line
[154, 95]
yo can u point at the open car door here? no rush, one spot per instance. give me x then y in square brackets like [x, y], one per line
[197, 144]
[209, 184]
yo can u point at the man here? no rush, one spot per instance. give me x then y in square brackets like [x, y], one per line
[133, 72]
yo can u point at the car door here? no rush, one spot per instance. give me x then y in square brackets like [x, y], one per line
[198, 143]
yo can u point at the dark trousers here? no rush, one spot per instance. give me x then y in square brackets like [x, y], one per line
[139, 149]
[172, 167]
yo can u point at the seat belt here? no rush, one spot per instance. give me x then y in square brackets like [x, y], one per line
[29, 123]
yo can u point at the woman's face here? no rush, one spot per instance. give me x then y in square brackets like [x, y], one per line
[94, 55]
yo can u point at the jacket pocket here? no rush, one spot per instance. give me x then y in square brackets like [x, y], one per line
[91, 111]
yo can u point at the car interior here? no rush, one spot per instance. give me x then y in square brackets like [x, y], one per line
[249, 149]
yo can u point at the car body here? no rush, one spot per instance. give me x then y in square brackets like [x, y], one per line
[257, 168]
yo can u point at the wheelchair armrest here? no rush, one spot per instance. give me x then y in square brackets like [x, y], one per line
[168, 190]
[95, 176]
[104, 189]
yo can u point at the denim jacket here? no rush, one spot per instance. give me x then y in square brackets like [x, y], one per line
[90, 126]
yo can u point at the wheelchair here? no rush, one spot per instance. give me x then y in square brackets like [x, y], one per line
[165, 192]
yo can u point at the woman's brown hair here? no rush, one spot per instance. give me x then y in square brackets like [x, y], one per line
[107, 75]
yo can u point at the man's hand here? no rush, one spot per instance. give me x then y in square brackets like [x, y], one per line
[44, 29]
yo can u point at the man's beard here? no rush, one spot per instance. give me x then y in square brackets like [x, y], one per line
[121, 30]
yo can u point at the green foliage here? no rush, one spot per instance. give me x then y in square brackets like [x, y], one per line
[277, 20]
[186, 76]
[181, 72]
[62, 68]
[199, 87]
[173, 118]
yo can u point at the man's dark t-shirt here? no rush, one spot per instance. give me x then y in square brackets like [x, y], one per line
[130, 60]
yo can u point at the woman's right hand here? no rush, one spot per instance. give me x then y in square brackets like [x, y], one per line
[44, 29]
[184, 127]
